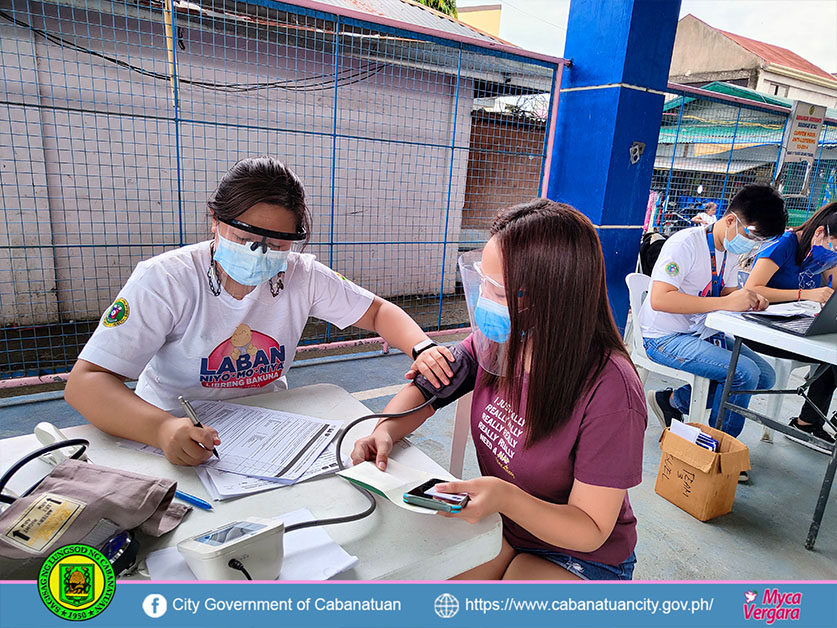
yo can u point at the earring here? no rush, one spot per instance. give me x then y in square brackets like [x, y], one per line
[276, 284]
[213, 272]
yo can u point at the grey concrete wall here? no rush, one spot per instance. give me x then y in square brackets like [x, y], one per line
[106, 194]
[27, 261]
[699, 49]
[797, 89]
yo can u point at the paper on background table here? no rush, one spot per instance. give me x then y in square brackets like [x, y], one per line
[795, 308]
[222, 485]
[310, 554]
[261, 443]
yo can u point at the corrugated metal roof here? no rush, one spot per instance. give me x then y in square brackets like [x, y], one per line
[417, 14]
[777, 55]
[737, 91]
[718, 166]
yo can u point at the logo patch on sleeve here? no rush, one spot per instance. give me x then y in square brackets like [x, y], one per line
[672, 269]
[117, 313]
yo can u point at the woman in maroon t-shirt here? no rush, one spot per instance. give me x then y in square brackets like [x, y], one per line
[558, 412]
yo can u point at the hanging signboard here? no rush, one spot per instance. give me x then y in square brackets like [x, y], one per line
[799, 148]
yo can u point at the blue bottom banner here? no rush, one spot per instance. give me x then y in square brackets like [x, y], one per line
[393, 605]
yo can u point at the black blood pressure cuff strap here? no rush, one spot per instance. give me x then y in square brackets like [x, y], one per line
[464, 377]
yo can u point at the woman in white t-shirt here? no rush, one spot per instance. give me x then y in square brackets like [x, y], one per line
[708, 216]
[222, 318]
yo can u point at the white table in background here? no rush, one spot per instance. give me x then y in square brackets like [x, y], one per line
[819, 348]
[391, 544]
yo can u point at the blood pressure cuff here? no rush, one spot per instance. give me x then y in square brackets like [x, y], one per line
[79, 502]
[464, 369]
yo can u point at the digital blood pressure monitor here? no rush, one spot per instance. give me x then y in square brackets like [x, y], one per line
[257, 544]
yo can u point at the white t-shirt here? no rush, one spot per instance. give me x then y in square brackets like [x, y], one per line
[684, 263]
[707, 219]
[169, 330]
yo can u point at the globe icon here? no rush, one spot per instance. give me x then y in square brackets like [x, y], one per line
[446, 606]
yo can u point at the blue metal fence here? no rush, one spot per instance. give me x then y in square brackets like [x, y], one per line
[117, 119]
[712, 143]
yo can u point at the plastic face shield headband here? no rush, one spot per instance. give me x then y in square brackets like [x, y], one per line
[264, 239]
[487, 311]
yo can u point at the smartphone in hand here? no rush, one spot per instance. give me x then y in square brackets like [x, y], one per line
[426, 496]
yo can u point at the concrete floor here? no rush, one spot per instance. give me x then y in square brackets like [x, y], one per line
[762, 538]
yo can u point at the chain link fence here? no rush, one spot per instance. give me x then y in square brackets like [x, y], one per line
[117, 119]
[712, 144]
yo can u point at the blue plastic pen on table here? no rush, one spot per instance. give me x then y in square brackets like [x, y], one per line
[194, 501]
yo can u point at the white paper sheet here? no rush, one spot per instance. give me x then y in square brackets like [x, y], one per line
[261, 443]
[221, 485]
[310, 554]
[688, 432]
[796, 308]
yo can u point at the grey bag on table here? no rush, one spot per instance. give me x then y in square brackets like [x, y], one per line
[80, 502]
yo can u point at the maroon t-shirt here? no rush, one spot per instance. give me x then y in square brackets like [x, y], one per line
[600, 444]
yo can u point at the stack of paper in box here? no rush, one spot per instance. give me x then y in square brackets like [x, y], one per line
[261, 449]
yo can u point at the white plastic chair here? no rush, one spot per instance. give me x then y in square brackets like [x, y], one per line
[461, 427]
[638, 285]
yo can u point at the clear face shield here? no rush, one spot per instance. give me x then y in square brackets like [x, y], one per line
[487, 311]
[252, 255]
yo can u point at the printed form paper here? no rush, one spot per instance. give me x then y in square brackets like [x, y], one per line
[222, 485]
[261, 443]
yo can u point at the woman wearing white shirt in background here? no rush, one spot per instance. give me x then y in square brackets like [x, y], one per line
[708, 216]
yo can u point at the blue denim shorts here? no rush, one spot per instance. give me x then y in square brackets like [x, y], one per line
[587, 569]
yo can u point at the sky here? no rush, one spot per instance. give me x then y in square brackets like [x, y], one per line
[807, 27]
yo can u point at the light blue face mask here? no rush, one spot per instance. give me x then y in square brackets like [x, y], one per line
[739, 245]
[246, 266]
[492, 319]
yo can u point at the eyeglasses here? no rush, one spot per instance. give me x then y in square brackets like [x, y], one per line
[499, 289]
[749, 232]
[242, 233]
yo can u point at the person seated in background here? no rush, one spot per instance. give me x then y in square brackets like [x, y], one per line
[708, 215]
[695, 274]
[799, 266]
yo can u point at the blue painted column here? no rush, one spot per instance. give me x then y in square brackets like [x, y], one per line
[612, 97]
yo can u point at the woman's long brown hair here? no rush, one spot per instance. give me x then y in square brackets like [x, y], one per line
[826, 216]
[554, 275]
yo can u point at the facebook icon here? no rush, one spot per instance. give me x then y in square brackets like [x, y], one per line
[154, 605]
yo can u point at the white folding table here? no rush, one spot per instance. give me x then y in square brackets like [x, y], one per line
[392, 543]
[819, 348]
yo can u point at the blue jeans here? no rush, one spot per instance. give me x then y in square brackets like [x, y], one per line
[702, 357]
[587, 569]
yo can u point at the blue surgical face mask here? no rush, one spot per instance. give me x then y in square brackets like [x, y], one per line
[739, 245]
[246, 266]
[492, 319]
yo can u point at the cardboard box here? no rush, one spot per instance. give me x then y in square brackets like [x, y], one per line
[700, 481]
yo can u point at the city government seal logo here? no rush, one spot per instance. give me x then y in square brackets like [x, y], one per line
[672, 269]
[76, 582]
[117, 314]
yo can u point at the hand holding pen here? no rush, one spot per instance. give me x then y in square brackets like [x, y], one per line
[193, 416]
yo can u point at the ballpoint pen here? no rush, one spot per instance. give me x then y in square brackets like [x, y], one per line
[193, 416]
[191, 499]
